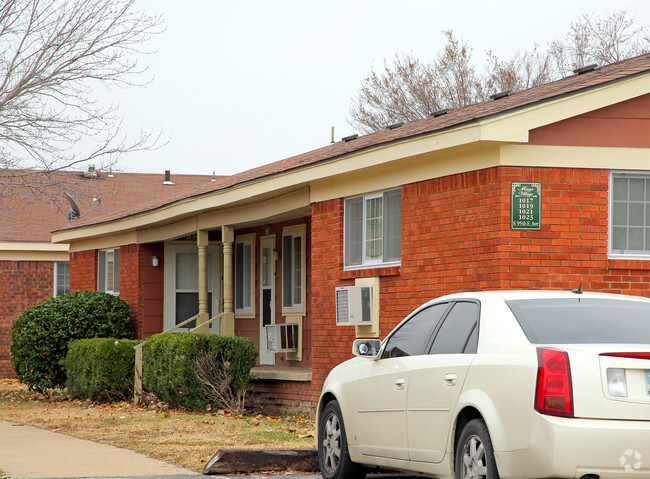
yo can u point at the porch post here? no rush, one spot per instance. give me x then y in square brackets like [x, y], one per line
[228, 319]
[202, 243]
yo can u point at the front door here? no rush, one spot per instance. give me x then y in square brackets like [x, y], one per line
[267, 295]
[182, 284]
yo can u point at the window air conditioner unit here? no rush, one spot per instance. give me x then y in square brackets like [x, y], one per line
[353, 305]
[282, 338]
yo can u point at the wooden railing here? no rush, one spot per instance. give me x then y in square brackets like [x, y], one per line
[137, 380]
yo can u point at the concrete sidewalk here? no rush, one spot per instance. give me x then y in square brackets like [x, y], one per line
[27, 452]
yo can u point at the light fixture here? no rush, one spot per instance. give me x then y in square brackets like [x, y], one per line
[155, 261]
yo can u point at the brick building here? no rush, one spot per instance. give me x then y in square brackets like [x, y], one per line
[31, 268]
[541, 189]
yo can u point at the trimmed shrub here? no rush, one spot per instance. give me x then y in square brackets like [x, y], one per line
[100, 368]
[40, 336]
[169, 365]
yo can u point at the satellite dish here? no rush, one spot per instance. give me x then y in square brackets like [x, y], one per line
[75, 212]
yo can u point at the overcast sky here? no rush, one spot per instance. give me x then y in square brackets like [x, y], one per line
[242, 83]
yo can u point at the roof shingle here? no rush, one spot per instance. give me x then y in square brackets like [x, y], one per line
[30, 217]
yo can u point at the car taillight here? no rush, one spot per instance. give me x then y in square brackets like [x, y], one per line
[554, 394]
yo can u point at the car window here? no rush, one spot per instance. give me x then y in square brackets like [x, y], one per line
[583, 320]
[456, 333]
[472, 342]
[412, 336]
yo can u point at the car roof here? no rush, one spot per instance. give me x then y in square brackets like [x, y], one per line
[508, 295]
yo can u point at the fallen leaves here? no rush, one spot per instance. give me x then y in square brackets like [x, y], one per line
[185, 438]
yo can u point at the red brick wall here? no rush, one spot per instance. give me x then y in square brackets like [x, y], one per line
[281, 397]
[152, 289]
[23, 284]
[332, 343]
[572, 244]
[141, 285]
[456, 236]
[83, 271]
[130, 283]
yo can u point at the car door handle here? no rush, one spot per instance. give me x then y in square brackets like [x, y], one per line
[400, 384]
[450, 380]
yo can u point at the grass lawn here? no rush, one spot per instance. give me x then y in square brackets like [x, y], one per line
[187, 439]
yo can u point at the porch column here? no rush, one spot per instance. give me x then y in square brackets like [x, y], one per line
[228, 319]
[202, 243]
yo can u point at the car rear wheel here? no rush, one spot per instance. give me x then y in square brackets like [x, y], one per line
[474, 453]
[333, 456]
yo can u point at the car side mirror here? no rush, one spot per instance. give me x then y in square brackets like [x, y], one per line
[366, 348]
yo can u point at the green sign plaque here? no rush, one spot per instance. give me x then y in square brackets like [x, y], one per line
[526, 206]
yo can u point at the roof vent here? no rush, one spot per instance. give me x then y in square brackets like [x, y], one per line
[585, 69]
[438, 113]
[501, 94]
[168, 178]
[394, 125]
[350, 138]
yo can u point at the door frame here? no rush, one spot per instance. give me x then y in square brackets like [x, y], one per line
[266, 242]
[171, 249]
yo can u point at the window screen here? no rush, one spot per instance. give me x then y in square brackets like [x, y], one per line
[630, 215]
[373, 229]
[243, 276]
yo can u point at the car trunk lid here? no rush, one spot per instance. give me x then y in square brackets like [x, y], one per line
[611, 381]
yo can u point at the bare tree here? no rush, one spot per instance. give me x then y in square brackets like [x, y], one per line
[409, 89]
[598, 40]
[55, 55]
[523, 70]
[404, 91]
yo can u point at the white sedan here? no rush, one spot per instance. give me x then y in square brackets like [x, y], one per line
[508, 384]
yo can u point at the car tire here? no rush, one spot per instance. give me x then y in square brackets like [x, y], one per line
[333, 457]
[474, 453]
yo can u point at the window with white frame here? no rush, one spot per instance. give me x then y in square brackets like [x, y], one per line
[373, 229]
[629, 214]
[244, 273]
[293, 267]
[108, 271]
[61, 278]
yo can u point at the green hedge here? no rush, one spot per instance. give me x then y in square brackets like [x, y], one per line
[40, 336]
[169, 371]
[100, 368]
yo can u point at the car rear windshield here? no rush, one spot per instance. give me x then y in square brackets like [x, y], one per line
[583, 321]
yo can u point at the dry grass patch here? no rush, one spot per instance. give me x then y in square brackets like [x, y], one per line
[184, 438]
